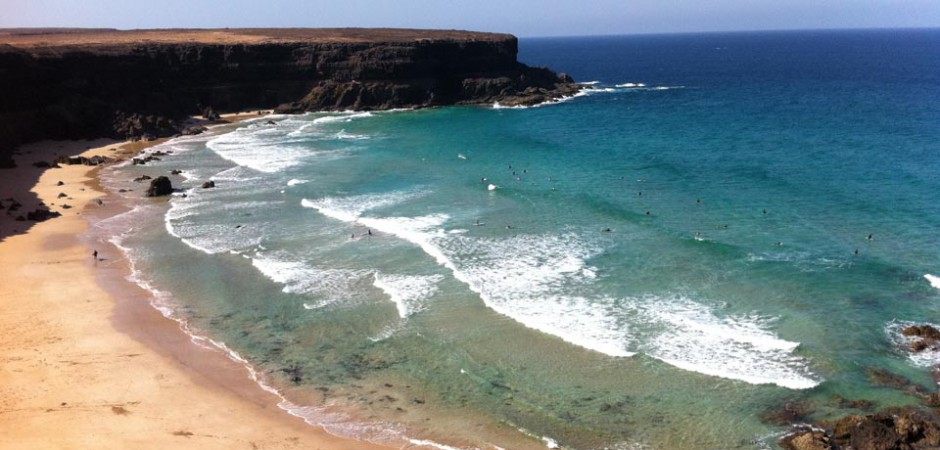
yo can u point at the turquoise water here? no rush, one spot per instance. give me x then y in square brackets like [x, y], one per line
[652, 264]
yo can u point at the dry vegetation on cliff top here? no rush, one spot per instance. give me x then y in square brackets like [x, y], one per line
[39, 38]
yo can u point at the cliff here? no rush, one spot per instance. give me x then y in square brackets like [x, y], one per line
[68, 83]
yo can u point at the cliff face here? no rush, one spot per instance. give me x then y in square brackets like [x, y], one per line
[77, 84]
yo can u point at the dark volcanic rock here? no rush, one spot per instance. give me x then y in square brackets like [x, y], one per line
[142, 83]
[806, 440]
[93, 161]
[146, 127]
[906, 428]
[142, 178]
[41, 214]
[928, 338]
[208, 184]
[159, 186]
[209, 114]
[6, 155]
[885, 378]
[788, 413]
[924, 331]
[193, 130]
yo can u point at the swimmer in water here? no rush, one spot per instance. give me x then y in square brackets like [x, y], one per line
[869, 237]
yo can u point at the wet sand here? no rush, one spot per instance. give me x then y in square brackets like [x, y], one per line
[86, 362]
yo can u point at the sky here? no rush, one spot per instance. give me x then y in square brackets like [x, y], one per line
[524, 18]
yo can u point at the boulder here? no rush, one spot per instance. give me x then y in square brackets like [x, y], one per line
[924, 331]
[72, 160]
[175, 172]
[160, 186]
[806, 440]
[194, 130]
[41, 214]
[875, 433]
[209, 114]
[142, 178]
[208, 184]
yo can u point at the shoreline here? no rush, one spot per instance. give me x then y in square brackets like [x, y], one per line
[87, 356]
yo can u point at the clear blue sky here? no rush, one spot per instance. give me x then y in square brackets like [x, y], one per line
[520, 17]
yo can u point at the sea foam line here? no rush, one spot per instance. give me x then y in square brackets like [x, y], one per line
[408, 292]
[524, 277]
[694, 338]
[514, 285]
[337, 424]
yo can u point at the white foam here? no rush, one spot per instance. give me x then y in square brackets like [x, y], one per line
[342, 134]
[630, 85]
[933, 280]
[559, 100]
[520, 277]
[295, 182]
[539, 280]
[342, 117]
[408, 292]
[299, 277]
[692, 337]
[535, 280]
[589, 83]
[927, 358]
[432, 444]
[259, 149]
[348, 209]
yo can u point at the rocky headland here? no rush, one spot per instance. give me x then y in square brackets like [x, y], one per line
[84, 83]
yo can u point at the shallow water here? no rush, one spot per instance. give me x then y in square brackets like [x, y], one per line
[650, 265]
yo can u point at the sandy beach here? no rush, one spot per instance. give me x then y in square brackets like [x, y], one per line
[86, 361]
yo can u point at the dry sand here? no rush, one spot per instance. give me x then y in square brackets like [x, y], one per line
[82, 368]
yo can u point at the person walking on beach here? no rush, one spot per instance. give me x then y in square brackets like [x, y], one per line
[94, 255]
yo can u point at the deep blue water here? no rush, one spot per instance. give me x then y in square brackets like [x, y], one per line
[652, 264]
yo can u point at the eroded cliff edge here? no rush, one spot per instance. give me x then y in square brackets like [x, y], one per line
[68, 84]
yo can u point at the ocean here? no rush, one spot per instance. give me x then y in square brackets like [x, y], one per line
[720, 224]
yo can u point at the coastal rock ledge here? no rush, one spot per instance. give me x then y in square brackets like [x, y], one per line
[86, 83]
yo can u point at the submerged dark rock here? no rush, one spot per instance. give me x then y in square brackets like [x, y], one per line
[208, 184]
[160, 186]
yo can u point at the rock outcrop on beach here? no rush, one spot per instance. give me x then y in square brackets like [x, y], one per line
[159, 187]
[68, 84]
